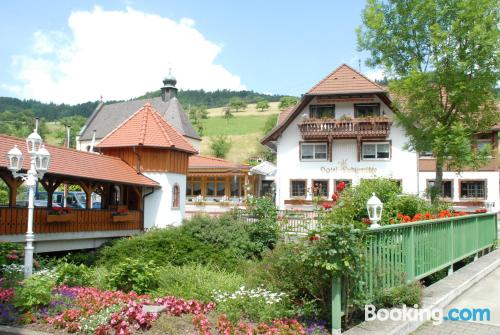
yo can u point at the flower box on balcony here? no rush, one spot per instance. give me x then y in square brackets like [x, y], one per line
[59, 218]
[123, 218]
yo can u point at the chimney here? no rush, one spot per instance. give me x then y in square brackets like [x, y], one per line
[168, 91]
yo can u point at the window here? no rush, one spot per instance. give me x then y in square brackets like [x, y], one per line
[366, 110]
[297, 188]
[380, 150]
[481, 145]
[237, 186]
[313, 151]
[320, 188]
[473, 189]
[322, 111]
[426, 154]
[446, 188]
[216, 186]
[176, 195]
[193, 186]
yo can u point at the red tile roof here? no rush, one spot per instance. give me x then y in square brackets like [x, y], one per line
[146, 128]
[207, 162]
[346, 80]
[284, 114]
[78, 164]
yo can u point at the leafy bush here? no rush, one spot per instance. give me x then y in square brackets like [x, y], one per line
[222, 242]
[10, 253]
[134, 275]
[34, 291]
[73, 275]
[220, 145]
[407, 205]
[285, 269]
[257, 305]
[407, 294]
[264, 233]
[196, 281]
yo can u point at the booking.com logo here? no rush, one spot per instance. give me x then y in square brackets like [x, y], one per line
[436, 315]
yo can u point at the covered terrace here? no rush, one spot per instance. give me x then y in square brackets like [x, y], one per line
[120, 187]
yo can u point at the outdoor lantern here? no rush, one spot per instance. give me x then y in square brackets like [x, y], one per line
[33, 142]
[15, 159]
[42, 160]
[374, 207]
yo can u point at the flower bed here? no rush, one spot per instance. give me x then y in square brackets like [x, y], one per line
[60, 214]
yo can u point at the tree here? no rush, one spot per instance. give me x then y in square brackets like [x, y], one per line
[262, 105]
[442, 59]
[236, 104]
[220, 146]
[270, 123]
[228, 114]
[286, 102]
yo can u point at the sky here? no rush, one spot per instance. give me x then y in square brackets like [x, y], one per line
[78, 51]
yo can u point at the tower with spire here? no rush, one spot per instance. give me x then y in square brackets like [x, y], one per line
[168, 91]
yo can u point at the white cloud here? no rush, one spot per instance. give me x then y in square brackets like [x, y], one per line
[119, 54]
[375, 74]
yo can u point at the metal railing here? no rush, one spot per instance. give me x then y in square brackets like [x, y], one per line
[402, 253]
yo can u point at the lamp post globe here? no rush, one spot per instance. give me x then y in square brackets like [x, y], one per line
[374, 207]
[15, 159]
[42, 160]
[33, 142]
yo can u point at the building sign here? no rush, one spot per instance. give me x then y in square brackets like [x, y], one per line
[344, 167]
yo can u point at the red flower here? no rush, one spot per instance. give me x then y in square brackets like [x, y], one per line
[428, 216]
[341, 186]
[327, 205]
[417, 217]
[406, 218]
[335, 196]
[480, 210]
[366, 221]
[314, 237]
[400, 216]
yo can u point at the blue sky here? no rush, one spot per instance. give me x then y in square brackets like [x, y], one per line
[52, 54]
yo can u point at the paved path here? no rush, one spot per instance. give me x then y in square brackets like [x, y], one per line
[485, 294]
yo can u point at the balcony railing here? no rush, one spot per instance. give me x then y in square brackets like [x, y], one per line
[13, 220]
[365, 128]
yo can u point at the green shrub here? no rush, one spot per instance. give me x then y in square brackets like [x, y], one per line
[196, 281]
[34, 291]
[264, 233]
[134, 275]
[284, 269]
[100, 276]
[10, 253]
[407, 205]
[406, 294]
[73, 275]
[257, 305]
[222, 242]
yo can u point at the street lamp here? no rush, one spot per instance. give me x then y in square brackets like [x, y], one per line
[40, 160]
[374, 207]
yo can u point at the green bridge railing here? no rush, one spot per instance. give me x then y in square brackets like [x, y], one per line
[407, 252]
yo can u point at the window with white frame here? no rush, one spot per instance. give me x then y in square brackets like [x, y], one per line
[475, 189]
[313, 151]
[376, 150]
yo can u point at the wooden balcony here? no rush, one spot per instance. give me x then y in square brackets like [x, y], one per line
[313, 129]
[82, 229]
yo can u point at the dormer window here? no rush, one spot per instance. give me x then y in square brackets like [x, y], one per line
[322, 111]
[366, 110]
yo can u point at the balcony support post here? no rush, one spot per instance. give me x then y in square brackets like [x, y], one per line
[358, 147]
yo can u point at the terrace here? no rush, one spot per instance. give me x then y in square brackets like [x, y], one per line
[376, 127]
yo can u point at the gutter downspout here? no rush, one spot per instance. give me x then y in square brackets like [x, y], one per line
[144, 204]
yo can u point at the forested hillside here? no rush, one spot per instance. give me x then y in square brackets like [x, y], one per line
[217, 98]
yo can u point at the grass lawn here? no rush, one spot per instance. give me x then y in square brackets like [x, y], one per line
[250, 110]
[239, 125]
[243, 146]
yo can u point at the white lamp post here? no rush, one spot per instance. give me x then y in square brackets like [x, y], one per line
[40, 160]
[374, 207]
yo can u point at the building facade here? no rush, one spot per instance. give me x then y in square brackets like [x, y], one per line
[343, 129]
[155, 149]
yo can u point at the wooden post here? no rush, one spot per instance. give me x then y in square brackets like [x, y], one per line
[13, 184]
[138, 193]
[246, 186]
[336, 305]
[87, 188]
[50, 185]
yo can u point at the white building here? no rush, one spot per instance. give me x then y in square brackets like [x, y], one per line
[155, 149]
[342, 129]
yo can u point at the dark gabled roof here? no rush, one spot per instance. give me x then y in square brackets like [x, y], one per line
[107, 117]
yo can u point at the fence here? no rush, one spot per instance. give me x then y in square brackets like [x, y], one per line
[290, 221]
[407, 252]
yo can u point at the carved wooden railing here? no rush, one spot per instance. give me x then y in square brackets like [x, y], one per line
[365, 128]
[13, 220]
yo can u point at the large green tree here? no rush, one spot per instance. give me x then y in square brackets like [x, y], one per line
[442, 57]
[236, 104]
